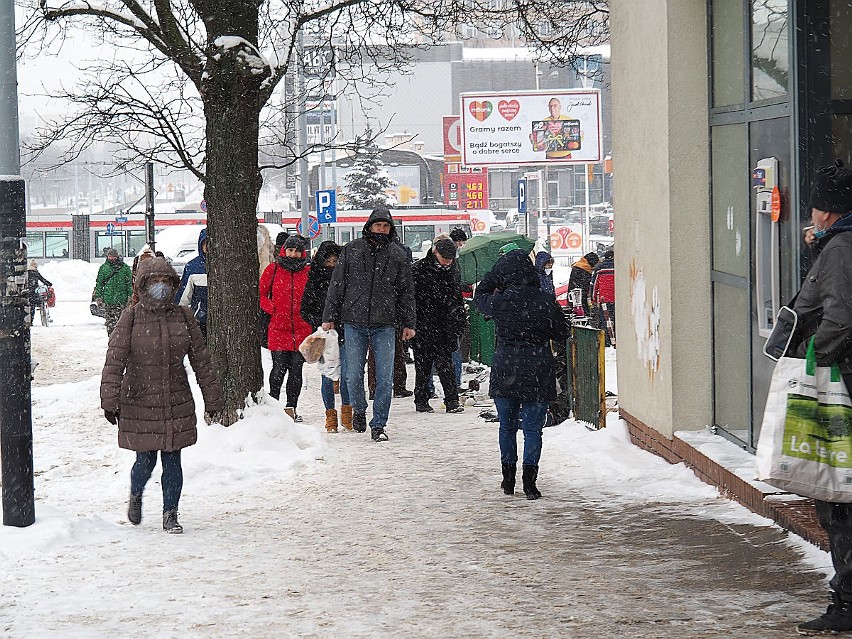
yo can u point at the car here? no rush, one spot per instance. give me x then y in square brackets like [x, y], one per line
[602, 225]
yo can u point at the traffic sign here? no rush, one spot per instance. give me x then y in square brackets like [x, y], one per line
[203, 206]
[110, 228]
[522, 195]
[326, 206]
[314, 227]
[121, 219]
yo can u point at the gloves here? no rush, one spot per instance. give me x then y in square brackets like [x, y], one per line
[111, 417]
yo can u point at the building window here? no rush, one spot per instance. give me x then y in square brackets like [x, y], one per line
[770, 54]
[136, 240]
[468, 31]
[104, 242]
[727, 53]
[56, 244]
[35, 244]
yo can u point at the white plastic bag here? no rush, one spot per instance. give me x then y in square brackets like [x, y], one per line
[329, 363]
[805, 444]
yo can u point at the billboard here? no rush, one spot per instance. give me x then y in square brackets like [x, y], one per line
[407, 178]
[534, 127]
[452, 138]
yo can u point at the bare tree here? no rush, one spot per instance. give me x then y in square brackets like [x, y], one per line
[191, 82]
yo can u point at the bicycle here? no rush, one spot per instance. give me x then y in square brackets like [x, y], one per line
[44, 311]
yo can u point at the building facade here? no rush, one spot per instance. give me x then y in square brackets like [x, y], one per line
[715, 104]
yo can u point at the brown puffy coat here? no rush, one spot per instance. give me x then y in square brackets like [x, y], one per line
[144, 379]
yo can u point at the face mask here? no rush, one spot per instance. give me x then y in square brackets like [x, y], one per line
[820, 233]
[159, 290]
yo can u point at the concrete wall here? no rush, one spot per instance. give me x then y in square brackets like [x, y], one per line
[661, 193]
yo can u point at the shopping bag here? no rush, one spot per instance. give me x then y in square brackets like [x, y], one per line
[329, 363]
[313, 346]
[805, 444]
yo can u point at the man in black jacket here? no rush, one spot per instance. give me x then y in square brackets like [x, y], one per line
[371, 293]
[824, 308]
[440, 322]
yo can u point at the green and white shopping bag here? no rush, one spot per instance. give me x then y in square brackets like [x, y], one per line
[805, 444]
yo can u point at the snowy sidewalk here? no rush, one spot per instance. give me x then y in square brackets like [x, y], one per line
[291, 532]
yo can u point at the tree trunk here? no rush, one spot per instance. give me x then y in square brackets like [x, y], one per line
[231, 190]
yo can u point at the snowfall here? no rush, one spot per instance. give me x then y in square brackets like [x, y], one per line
[294, 532]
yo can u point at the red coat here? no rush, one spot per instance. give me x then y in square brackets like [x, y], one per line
[287, 329]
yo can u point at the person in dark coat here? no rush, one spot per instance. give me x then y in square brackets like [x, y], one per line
[145, 390]
[281, 287]
[824, 308]
[33, 278]
[523, 372]
[371, 293]
[544, 268]
[313, 305]
[581, 278]
[193, 284]
[440, 323]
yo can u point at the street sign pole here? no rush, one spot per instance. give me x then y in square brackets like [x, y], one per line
[522, 204]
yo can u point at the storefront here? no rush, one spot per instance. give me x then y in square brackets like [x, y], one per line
[722, 110]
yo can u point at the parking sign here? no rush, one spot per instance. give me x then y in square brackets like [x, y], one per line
[522, 195]
[326, 207]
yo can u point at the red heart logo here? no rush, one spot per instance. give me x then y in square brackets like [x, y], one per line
[508, 109]
[480, 110]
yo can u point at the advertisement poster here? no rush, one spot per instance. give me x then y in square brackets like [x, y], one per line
[406, 191]
[536, 127]
[466, 190]
[566, 239]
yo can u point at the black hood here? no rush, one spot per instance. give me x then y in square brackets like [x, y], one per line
[380, 214]
[516, 268]
[324, 251]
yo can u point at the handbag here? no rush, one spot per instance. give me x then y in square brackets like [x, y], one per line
[263, 317]
[805, 444]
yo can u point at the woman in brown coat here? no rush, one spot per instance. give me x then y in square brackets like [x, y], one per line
[145, 390]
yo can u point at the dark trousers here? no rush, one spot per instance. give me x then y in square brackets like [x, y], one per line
[836, 520]
[400, 375]
[172, 478]
[289, 364]
[607, 327]
[424, 358]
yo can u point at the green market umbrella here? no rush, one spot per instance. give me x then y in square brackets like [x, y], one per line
[480, 253]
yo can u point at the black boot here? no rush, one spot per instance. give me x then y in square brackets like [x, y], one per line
[508, 483]
[134, 509]
[838, 618]
[529, 477]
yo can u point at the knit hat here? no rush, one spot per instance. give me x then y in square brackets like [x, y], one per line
[832, 189]
[281, 238]
[458, 235]
[592, 258]
[294, 242]
[446, 249]
[112, 253]
[511, 246]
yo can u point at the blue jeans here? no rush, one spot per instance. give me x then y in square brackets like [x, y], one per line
[383, 341]
[531, 415]
[172, 478]
[327, 387]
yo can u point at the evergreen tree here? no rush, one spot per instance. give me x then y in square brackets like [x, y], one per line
[367, 182]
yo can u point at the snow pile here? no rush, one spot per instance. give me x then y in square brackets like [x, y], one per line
[73, 280]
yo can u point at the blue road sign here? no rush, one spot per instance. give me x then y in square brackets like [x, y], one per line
[326, 207]
[120, 219]
[522, 195]
[110, 228]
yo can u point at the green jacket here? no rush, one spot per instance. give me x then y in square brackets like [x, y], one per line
[115, 290]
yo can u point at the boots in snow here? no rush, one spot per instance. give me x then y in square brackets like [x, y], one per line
[346, 416]
[134, 509]
[508, 483]
[330, 420]
[359, 422]
[170, 522]
[838, 618]
[291, 412]
[378, 434]
[529, 477]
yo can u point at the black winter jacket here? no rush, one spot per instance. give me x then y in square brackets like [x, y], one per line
[319, 278]
[824, 302]
[371, 286]
[526, 319]
[440, 310]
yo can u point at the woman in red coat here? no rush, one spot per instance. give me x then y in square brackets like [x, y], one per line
[286, 279]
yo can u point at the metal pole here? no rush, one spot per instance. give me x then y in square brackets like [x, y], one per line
[587, 222]
[546, 208]
[16, 427]
[303, 138]
[150, 230]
